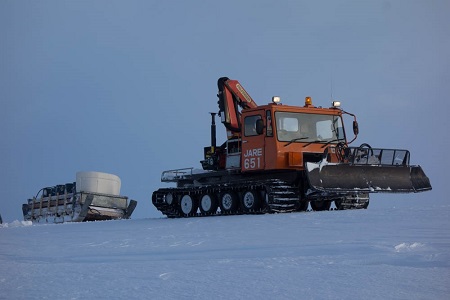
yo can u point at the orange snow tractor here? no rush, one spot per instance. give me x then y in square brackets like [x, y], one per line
[280, 158]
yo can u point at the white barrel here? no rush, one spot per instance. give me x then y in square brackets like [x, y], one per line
[97, 182]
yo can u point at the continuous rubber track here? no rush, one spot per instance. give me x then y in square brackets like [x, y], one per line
[274, 196]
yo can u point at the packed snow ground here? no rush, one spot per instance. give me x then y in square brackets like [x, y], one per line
[388, 252]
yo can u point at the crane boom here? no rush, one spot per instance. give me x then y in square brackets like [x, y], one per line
[232, 96]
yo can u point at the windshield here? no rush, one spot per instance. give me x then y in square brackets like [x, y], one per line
[302, 127]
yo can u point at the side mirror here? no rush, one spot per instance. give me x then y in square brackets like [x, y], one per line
[355, 127]
[259, 126]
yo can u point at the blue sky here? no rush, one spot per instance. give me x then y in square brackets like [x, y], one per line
[126, 87]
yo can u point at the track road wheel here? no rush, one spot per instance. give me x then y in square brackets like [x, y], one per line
[208, 204]
[188, 206]
[250, 201]
[228, 202]
[320, 205]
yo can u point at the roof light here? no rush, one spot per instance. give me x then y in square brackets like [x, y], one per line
[336, 104]
[308, 101]
[276, 99]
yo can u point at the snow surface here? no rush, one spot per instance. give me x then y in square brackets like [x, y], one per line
[400, 252]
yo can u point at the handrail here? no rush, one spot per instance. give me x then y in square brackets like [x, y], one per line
[376, 156]
[171, 175]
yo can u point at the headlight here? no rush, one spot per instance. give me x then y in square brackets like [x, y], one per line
[276, 99]
[336, 104]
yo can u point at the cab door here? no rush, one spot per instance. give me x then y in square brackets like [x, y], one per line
[253, 151]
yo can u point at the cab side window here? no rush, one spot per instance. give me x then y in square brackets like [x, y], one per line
[269, 131]
[250, 125]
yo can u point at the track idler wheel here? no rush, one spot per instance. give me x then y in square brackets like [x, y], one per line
[169, 198]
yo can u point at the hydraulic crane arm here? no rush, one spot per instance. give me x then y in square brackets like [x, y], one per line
[232, 96]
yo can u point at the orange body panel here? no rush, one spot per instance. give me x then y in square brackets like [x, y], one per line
[266, 152]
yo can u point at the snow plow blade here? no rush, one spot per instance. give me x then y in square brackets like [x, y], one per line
[345, 178]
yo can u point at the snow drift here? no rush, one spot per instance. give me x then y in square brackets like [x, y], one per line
[389, 253]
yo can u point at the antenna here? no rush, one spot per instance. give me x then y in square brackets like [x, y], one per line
[331, 85]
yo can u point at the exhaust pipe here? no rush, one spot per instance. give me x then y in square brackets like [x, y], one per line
[213, 132]
[210, 161]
